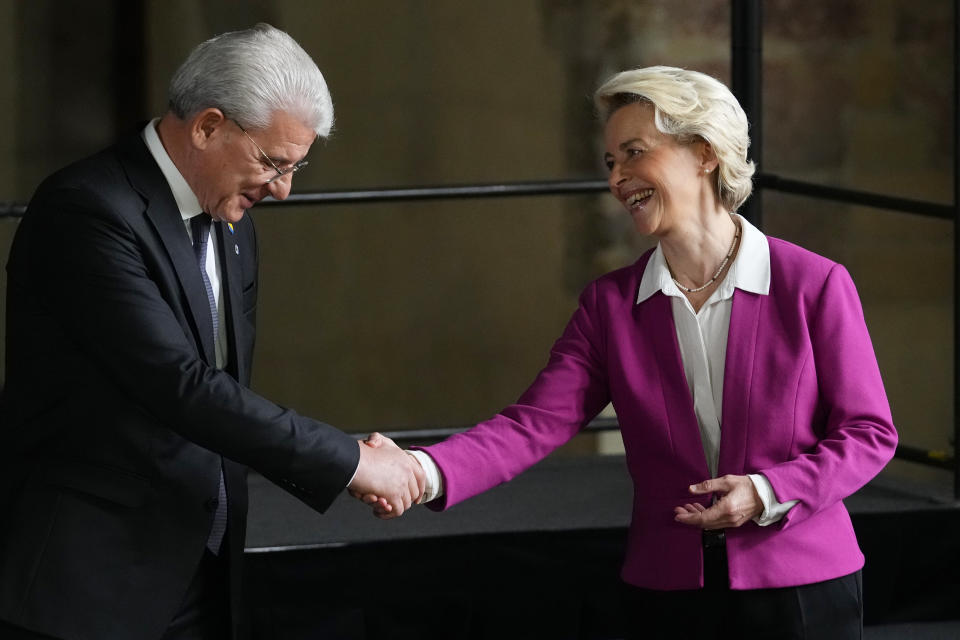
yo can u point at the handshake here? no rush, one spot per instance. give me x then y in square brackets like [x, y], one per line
[388, 478]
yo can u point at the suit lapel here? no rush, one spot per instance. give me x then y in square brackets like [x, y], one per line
[737, 379]
[655, 316]
[227, 247]
[163, 213]
[173, 234]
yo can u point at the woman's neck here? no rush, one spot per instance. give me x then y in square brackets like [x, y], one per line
[695, 251]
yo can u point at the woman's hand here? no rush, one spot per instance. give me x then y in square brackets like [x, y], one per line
[739, 502]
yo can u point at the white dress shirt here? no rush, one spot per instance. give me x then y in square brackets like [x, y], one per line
[703, 348]
[189, 207]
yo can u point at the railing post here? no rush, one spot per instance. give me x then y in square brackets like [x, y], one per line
[746, 36]
[956, 249]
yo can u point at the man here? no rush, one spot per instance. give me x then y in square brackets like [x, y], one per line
[127, 424]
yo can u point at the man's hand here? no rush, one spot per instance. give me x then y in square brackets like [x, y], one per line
[738, 503]
[387, 477]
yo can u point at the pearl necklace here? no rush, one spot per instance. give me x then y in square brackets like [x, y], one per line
[733, 245]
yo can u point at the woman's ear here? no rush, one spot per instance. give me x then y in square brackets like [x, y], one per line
[708, 159]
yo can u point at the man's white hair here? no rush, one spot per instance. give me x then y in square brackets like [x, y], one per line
[250, 75]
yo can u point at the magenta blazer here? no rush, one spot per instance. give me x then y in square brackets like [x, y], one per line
[803, 404]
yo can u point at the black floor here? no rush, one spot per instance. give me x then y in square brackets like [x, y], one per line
[539, 558]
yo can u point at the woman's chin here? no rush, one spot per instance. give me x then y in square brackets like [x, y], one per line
[643, 222]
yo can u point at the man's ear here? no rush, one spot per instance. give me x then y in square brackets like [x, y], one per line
[206, 126]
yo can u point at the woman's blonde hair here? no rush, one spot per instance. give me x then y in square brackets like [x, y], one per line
[690, 105]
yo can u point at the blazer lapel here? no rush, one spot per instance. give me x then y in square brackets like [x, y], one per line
[173, 234]
[162, 211]
[655, 316]
[737, 379]
[230, 267]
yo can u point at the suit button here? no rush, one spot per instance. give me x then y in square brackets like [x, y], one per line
[211, 505]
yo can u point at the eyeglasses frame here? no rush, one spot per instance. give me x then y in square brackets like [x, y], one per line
[280, 172]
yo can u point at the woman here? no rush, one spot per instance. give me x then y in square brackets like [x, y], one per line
[744, 380]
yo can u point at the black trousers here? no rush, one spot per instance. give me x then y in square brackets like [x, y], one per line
[205, 611]
[203, 615]
[10, 632]
[829, 610]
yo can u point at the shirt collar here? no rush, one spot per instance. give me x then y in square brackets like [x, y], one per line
[750, 270]
[182, 193]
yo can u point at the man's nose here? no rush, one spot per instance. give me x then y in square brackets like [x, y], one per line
[280, 188]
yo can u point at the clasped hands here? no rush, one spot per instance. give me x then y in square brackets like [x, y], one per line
[388, 478]
[738, 503]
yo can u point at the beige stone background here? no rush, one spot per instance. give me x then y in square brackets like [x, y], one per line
[384, 316]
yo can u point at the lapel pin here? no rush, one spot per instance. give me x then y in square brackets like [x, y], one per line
[230, 226]
[236, 249]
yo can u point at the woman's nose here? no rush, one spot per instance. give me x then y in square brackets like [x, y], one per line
[616, 178]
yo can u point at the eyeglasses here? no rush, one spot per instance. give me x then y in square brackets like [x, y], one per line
[280, 172]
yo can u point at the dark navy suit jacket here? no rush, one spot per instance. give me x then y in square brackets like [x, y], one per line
[115, 418]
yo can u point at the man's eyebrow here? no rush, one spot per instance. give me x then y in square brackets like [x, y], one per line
[283, 162]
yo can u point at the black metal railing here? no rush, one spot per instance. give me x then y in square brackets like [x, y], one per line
[956, 245]
[932, 458]
[11, 209]
[584, 186]
[416, 435]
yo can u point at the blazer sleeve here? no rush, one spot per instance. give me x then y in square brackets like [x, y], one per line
[569, 392]
[88, 266]
[858, 437]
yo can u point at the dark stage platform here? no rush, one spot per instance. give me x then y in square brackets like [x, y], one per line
[539, 558]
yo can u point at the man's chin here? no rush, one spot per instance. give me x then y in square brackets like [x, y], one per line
[234, 215]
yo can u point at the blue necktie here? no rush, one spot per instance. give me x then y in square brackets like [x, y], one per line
[200, 228]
